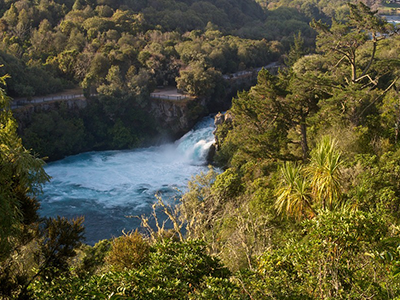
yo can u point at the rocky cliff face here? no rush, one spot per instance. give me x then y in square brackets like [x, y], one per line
[77, 125]
[176, 117]
[172, 118]
[24, 114]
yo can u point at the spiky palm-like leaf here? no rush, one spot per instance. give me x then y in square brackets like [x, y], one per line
[293, 194]
[325, 174]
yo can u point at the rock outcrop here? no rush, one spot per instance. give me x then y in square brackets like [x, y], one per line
[23, 114]
[176, 117]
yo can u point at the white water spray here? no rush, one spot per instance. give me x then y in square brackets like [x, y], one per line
[105, 187]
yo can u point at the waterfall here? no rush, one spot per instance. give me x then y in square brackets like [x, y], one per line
[195, 144]
[105, 187]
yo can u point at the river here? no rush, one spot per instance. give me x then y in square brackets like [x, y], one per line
[393, 19]
[108, 188]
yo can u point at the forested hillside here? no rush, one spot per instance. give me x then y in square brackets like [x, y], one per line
[122, 51]
[130, 45]
[334, 8]
[136, 45]
[307, 202]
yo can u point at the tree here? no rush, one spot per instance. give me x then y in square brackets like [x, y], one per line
[325, 174]
[345, 40]
[317, 186]
[340, 256]
[58, 239]
[42, 39]
[297, 50]
[199, 79]
[353, 73]
[293, 194]
[129, 251]
[351, 51]
[173, 270]
[376, 187]
[260, 122]
[301, 102]
[21, 177]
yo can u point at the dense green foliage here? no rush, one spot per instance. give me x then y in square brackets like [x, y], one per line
[308, 203]
[131, 45]
[334, 9]
[105, 123]
[29, 247]
[172, 270]
[21, 178]
[342, 255]
[122, 51]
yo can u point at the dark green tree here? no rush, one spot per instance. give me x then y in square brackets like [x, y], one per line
[58, 239]
[358, 77]
[325, 263]
[21, 177]
[199, 79]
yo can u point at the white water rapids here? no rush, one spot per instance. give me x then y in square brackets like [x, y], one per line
[106, 187]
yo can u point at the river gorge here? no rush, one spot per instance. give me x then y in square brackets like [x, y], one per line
[109, 188]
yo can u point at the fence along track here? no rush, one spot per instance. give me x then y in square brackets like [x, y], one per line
[16, 103]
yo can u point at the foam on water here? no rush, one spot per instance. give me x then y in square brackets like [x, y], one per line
[106, 187]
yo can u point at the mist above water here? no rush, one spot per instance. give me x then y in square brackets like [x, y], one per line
[106, 187]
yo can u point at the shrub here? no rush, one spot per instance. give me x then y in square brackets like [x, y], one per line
[128, 251]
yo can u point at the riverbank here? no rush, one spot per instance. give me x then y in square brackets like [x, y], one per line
[58, 125]
[392, 8]
[56, 129]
